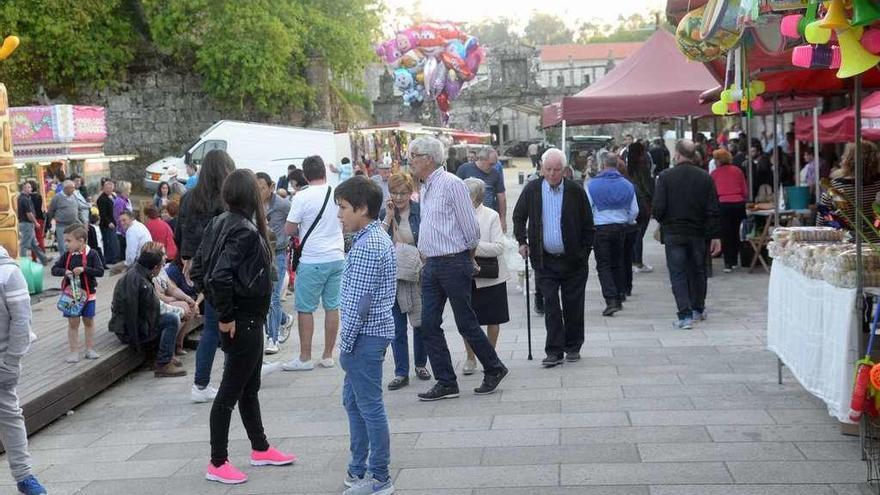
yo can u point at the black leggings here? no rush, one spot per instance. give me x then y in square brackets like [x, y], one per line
[240, 384]
[732, 215]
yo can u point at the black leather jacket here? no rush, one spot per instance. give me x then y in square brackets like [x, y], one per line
[135, 308]
[233, 267]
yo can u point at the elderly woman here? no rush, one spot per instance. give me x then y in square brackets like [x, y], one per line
[489, 291]
[733, 192]
[400, 218]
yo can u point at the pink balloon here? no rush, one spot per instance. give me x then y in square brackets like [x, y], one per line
[758, 103]
[407, 40]
[474, 59]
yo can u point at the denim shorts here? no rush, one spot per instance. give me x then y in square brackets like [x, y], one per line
[88, 310]
[318, 281]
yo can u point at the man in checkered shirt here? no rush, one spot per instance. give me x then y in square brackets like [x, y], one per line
[369, 285]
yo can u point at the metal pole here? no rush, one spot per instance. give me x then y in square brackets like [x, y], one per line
[859, 175]
[562, 145]
[528, 310]
[816, 161]
[797, 161]
[749, 165]
[776, 163]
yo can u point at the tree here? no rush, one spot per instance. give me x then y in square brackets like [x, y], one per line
[496, 32]
[254, 54]
[65, 45]
[635, 27]
[547, 29]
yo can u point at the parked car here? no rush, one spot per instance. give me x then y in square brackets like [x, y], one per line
[520, 148]
[259, 147]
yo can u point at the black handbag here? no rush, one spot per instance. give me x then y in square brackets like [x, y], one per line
[488, 267]
[297, 251]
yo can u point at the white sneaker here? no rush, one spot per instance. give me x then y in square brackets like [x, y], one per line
[271, 347]
[289, 323]
[297, 365]
[91, 354]
[200, 395]
[644, 269]
[269, 368]
[327, 363]
[469, 367]
[73, 357]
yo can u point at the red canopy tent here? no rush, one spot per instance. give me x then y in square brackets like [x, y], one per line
[655, 82]
[840, 126]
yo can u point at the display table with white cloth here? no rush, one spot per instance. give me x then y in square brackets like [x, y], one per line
[814, 327]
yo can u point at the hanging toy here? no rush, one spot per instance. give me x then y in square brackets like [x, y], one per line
[863, 374]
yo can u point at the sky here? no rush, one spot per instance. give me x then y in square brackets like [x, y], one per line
[571, 10]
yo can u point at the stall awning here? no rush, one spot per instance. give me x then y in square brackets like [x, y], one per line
[840, 127]
[654, 83]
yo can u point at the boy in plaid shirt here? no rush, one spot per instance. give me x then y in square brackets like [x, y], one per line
[369, 284]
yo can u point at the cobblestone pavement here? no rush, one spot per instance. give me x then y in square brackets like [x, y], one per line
[649, 410]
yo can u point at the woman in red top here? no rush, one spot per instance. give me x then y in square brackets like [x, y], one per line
[160, 231]
[730, 182]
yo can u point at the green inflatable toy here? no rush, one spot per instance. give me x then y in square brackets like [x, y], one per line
[33, 274]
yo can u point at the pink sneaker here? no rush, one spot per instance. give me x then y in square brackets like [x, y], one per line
[227, 474]
[271, 457]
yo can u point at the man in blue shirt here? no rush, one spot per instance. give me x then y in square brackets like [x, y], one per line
[369, 285]
[613, 202]
[484, 169]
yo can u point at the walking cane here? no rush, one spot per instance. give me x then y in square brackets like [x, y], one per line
[528, 311]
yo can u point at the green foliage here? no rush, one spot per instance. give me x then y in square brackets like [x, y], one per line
[65, 45]
[635, 27]
[547, 29]
[495, 32]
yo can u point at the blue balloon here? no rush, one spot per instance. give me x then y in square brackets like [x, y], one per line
[456, 47]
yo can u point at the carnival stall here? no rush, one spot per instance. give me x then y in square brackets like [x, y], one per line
[392, 140]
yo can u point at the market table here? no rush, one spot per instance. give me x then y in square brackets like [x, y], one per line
[813, 327]
[759, 241]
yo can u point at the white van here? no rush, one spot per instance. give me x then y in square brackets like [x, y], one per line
[259, 147]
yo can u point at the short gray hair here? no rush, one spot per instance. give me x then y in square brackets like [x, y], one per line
[431, 146]
[67, 183]
[554, 152]
[484, 152]
[610, 160]
[476, 188]
[124, 186]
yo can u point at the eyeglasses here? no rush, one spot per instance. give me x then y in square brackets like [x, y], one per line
[417, 155]
[399, 194]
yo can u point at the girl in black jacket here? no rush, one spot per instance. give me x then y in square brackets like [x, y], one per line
[233, 267]
[197, 208]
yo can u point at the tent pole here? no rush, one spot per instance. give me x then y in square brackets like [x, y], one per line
[562, 146]
[776, 164]
[797, 161]
[859, 178]
[816, 161]
[749, 165]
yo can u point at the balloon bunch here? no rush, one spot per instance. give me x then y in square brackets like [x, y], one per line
[736, 97]
[431, 61]
[836, 41]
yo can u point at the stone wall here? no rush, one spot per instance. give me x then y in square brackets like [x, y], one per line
[157, 114]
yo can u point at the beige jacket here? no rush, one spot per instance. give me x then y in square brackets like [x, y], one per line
[491, 244]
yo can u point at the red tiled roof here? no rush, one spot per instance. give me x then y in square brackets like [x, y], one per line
[592, 51]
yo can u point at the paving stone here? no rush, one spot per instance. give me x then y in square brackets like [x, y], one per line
[802, 416]
[775, 433]
[491, 438]
[562, 394]
[663, 418]
[848, 450]
[752, 401]
[567, 420]
[742, 490]
[641, 474]
[565, 490]
[111, 470]
[681, 390]
[635, 434]
[796, 472]
[699, 452]
[561, 454]
[627, 404]
[478, 477]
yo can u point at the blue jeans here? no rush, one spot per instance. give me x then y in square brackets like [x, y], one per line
[59, 237]
[111, 246]
[276, 313]
[400, 345]
[207, 346]
[169, 324]
[449, 277]
[362, 398]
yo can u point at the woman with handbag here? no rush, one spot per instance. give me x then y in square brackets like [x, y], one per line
[400, 218]
[489, 297]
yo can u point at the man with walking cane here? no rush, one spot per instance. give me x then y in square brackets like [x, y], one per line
[553, 225]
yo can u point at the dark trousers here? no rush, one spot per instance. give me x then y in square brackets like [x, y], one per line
[608, 248]
[240, 384]
[732, 215]
[629, 243]
[642, 223]
[565, 325]
[111, 246]
[686, 260]
[449, 277]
